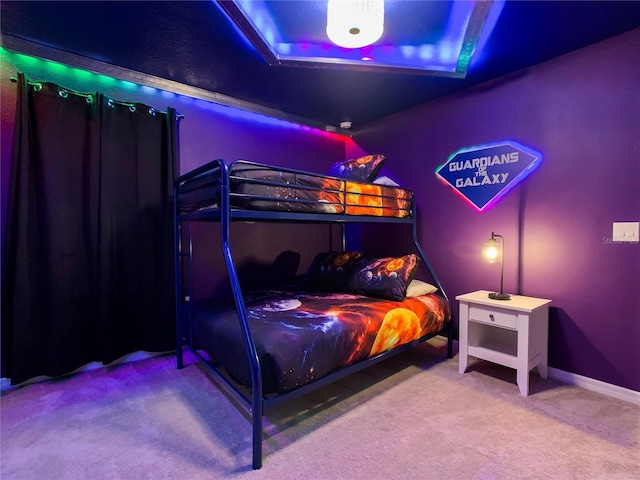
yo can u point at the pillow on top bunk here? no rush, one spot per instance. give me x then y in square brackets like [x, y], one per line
[418, 287]
[330, 271]
[362, 169]
[384, 180]
[386, 278]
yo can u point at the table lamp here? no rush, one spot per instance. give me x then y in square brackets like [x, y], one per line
[491, 251]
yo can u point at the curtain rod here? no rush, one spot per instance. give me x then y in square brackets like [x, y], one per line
[64, 92]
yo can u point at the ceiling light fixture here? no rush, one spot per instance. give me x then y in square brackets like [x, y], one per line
[355, 23]
[434, 37]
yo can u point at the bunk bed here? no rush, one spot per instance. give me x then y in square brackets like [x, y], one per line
[350, 311]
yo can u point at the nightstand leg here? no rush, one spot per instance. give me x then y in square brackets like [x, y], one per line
[523, 354]
[543, 338]
[523, 381]
[462, 367]
[543, 370]
[463, 342]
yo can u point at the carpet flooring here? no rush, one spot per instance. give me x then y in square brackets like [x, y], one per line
[410, 417]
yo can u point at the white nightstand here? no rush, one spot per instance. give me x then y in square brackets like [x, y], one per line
[512, 332]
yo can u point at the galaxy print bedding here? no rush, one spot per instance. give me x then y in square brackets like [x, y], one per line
[269, 188]
[301, 337]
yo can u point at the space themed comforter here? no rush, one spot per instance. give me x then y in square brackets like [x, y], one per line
[271, 188]
[301, 337]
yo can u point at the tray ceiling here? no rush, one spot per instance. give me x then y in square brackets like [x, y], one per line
[194, 43]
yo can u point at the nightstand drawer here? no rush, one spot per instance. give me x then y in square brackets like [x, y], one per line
[492, 317]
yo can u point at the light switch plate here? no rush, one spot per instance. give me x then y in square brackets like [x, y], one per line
[626, 231]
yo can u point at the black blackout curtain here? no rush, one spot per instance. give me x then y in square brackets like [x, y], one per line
[88, 264]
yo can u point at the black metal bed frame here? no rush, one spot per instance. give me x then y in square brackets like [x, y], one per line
[211, 182]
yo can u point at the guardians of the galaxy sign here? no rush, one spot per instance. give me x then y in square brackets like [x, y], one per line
[482, 175]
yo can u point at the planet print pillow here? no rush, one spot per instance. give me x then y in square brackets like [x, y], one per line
[330, 271]
[362, 169]
[386, 277]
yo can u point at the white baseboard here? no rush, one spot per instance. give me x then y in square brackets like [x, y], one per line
[587, 383]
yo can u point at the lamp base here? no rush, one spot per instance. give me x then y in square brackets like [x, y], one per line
[499, 296]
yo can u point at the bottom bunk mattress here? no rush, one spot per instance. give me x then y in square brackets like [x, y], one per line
[301, 337]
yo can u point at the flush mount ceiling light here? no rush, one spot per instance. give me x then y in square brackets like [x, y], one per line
[355, 23]
[435, 37]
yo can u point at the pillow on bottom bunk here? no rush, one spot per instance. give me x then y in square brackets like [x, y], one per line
[351, 272]
[386, 278]
[418, 287]
[330, 271]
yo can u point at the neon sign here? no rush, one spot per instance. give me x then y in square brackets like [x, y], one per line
[482, 175]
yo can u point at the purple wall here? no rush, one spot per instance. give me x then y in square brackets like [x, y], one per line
[582, 112]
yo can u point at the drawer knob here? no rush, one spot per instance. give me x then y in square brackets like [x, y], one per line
[491, 317]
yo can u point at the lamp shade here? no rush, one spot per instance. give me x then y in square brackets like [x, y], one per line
[491, 251]
[355, 23]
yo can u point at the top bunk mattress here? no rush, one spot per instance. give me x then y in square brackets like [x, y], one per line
[254, 186]
[272, 188]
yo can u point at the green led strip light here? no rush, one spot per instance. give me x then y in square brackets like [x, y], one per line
[32, 55]
[60, 69]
